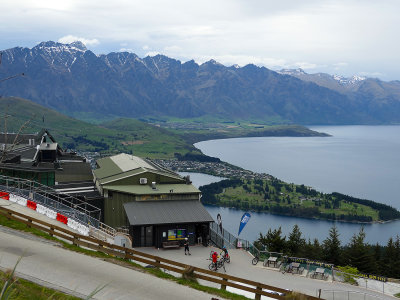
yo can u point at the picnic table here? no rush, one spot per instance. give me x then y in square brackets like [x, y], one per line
[295, 267]
[320, 272]
[272, 260]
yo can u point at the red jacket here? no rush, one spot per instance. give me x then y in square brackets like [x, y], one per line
[214, 257]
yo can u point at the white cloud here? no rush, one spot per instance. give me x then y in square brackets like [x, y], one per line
[305, 65]
[127, 50]
[307, 33]
[340, 65]
[70, 39]
[372, 74]
[152, 53]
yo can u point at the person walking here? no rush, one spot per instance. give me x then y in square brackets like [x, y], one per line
[186, 244]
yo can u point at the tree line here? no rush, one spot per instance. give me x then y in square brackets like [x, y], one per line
[366, 258]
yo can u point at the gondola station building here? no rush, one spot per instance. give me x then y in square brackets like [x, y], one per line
[159, 207]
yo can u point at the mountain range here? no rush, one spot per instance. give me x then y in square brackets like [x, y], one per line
[72, 79]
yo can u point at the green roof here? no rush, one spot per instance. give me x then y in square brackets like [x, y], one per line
[107, 168]
[123, 165]
[119, 176]
[160, 189]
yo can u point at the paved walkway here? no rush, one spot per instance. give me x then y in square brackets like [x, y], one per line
[241, 266]
[49, 265]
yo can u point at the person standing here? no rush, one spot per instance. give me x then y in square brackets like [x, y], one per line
[186, 244]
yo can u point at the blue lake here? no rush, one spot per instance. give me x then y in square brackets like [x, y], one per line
[361, 161]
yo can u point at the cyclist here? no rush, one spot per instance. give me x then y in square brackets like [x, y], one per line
[225, 255]
[215, 259]
[225, 252]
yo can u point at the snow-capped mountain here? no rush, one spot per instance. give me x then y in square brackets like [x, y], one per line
[71, 78]
[336, 82]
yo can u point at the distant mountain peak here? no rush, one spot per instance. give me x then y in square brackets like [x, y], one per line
[299, 73]
[345, 81]
[292, 72]
[51, 46]
[213, 62]
[79, 45]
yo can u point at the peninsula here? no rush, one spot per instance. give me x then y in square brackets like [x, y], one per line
[247, 190]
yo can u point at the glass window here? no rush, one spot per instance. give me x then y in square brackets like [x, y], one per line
[172, 234]
[180, 233]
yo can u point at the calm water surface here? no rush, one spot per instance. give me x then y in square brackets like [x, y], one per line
[361, 161]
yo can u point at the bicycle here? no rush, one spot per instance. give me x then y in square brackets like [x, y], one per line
[255, 260]
[225, 257]
[215, 266]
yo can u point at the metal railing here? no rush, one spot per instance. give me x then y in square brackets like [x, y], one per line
[222, 238]
[345, 295]
[381, 286]
[67, 205]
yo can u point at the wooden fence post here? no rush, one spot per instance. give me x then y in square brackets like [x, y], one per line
[223, 286]
[51, 231]
[157, 264]
[74, 241]
[30, 221]
[258, 296]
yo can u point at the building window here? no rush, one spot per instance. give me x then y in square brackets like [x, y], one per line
[176, 234]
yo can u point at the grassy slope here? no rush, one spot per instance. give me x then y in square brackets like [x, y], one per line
[123, 135]
[149, 140]
[288, 196]
[130, 135]
[26, 290]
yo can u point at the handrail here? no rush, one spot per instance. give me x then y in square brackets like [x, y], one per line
[127, 253]
[17, 184]
[106, 231]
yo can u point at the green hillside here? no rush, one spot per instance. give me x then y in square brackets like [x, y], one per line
[122, 135]
[149, 140]
[278, 197]
[160, 139]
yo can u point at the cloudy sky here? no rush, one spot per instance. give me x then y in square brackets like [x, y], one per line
[345, 37]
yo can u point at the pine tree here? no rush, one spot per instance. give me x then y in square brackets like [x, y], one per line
[396, 262]
[389, 259]
[274, 240]
[295, 242]
[358, 253]
[331, 246]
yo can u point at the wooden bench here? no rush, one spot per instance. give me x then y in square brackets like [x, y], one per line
[171, 244]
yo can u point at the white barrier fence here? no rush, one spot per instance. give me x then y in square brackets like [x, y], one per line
[52, 214]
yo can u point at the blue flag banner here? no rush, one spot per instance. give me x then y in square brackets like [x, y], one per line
[243, 221]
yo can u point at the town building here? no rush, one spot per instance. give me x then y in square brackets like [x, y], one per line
[157, 205]
[38, 157]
